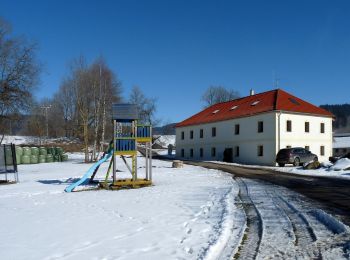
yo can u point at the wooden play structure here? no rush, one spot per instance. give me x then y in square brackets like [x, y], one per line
[128, 136]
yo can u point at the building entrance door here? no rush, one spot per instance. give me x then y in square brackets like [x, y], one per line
[228, 155]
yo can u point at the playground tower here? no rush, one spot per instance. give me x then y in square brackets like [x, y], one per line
[128, 136]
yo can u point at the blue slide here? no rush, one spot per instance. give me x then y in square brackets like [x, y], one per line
[88, 174]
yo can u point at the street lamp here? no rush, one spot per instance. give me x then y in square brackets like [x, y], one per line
[47, 119]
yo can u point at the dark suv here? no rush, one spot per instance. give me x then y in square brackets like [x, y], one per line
[296, 156]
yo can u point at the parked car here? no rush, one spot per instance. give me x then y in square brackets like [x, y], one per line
[296, 156]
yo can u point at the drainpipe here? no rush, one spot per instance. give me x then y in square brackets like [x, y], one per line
[279, 130]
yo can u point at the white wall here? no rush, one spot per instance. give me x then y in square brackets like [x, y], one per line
[248, 139]
[273, 138]
[299, 138]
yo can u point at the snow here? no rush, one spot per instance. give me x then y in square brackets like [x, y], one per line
[188, 214]
[341, 164]
[165, 140]
[341, 142]
[18, 140]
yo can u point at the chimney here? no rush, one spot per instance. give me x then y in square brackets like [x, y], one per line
[251, 92]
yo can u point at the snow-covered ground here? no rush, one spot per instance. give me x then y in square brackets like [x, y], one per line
[189, 213]
[185, 215]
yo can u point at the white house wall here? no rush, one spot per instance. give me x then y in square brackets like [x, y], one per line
[299, 138]
[247, 140]
[273, 138]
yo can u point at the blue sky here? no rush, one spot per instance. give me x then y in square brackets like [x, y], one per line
[174, 50]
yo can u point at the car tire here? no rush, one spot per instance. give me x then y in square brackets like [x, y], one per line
[281, 164]
[296, 162]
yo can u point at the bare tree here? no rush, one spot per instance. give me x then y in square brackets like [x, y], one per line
[218, 94]
[146, 106]
[19, 72]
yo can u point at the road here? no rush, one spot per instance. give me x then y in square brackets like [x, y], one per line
[333, 194]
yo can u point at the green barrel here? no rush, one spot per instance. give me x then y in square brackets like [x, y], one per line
[19, 153]
[27, 151]
[34, 159]
[42, 158]
[25, 159]
[42, 151]
[51, 150]
[64, 157]
[34, 151]
[8, 154]
[59, 150]
[19, 150]
[57, 158]
[49, 158]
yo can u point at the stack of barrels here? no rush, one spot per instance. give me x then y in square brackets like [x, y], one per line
[32, 155]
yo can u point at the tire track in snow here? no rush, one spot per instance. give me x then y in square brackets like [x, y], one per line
[251, 240]
[303, 232]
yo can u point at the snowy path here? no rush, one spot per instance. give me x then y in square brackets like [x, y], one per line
[282, 224]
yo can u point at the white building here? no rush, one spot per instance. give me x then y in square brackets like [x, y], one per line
[341, 144]
[253, 129]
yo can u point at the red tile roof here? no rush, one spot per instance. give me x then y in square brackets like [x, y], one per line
[274, 100]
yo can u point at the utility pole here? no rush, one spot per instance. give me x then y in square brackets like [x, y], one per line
[47, 119]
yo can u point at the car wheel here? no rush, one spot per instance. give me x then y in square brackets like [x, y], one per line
[280, 164]
[315, 159]
[296, 162]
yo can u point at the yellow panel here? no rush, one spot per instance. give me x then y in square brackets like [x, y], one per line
[125, 152]
[144, 139]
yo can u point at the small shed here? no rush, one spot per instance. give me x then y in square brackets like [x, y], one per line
[341, 144]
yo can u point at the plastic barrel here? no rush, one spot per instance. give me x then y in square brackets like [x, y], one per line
[49, 158]
[42, 151]
[57, 158]
[27, 151]
[34, 159]
[25, 159]
[42, 158]
[19, 150]
[19, 153]
[59, 150]
[35, 151]
[64, 157]
[51, 150]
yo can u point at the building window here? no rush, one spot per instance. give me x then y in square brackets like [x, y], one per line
[237, 151]
[289, 126]
[213, 152]
[307, 127]
[182, 153]
[191, 134]
[182, 135]
[191, 152]
[322, 128]
[260, 126]
[260, 150]
[307, 147]
[213, 131]
[201, 152]
[288, 146]
[201, 133]
[237, 129]
[322, 150]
